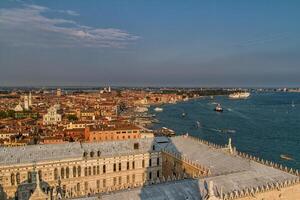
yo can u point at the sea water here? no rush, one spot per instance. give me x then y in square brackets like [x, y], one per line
[265, 124]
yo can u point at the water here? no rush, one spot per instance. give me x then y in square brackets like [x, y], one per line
[264, 125]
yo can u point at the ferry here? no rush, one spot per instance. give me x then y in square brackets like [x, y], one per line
[218, 108]
[239, 95]
[158, 109]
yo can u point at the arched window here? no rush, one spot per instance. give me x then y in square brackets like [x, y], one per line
[79, 171]
[40, 174]
[29, 177]
[85, 154]
[90, 171]
[98, 169]
[98, 153]
[62, 173]
[91, 154]
[78, 187]
[55, 174]
[85, 171]
[67, 172]
[94, 170]
[74, 171]
[12, 179]
[18, 178]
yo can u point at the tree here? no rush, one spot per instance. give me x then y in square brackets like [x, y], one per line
[72, 118]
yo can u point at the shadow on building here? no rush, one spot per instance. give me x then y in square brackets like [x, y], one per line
[178, 177]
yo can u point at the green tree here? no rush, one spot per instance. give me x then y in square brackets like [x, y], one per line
[72, 118]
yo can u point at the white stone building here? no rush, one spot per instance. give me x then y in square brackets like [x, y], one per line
[52, 117]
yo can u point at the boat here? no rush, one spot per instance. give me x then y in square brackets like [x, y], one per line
[286, 157]
[198, 124]
[183, 114]
[293, 104]
[218, 108]
[164, 131]
[158, 109]
[239, 95]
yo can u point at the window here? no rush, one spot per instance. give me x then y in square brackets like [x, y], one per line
[153, 147]
[157, 174]
[55, 174]
[133, 178]
[120, 166]
[136, 146]
[104, 169]
[79, 171]
[85, 154]
[128, 165]
[98, 170]
[143, 163]
[104, 182]
[133, 165]
[150, 175]
[92, 153]
[85, 171]
[67, 172]
[150, 162]
[90, 171]
[98, 153]
[120, 180]
[62, 173]
[157, 161]
[12, 179]
[94, 170]
[78, 187]
[40, 174]
[18, 178]
[86, 185]
[74, 171]
[115, 181]
[98, 184]
[128, 179]
[115, 167]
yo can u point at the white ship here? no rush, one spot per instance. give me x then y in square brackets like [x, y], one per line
[239, 95]
[157, 109]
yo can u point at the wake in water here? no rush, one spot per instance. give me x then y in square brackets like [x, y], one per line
[199, 126]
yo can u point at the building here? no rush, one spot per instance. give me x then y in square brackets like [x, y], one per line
[26, 102]
[58, 92]
[52, 117]
[176, 168]
[112, 132]
[30, 99]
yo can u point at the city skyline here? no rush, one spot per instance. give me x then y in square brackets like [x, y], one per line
[143, 43]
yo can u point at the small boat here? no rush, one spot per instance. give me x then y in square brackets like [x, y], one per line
[198, 124]
[183, 114]
[218, 108]
[286, 157]
[157, 109]
[293, 104]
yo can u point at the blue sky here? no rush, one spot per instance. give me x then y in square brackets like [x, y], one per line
[150, 43]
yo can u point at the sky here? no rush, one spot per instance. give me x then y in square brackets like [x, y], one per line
[193, 43]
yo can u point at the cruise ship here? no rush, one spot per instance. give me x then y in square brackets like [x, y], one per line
[239, 95]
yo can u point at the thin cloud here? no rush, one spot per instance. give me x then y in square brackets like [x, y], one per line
[28, 26]
[263, 40]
